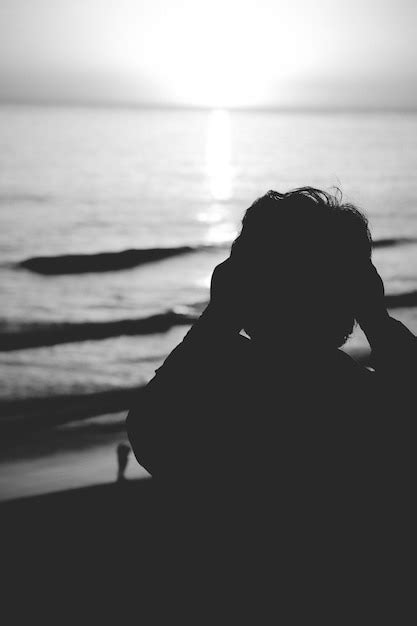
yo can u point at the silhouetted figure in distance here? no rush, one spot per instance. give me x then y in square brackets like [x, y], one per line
[123, 452]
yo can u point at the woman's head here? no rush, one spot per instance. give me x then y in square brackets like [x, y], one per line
[299, 252]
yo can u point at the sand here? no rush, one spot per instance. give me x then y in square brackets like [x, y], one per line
[68, 457]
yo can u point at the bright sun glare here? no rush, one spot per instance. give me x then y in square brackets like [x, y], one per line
[218, 155]
[223, 61]
[219, 172]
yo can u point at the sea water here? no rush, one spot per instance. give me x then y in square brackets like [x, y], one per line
[90, 180]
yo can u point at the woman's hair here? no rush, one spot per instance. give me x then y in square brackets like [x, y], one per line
[307, 245]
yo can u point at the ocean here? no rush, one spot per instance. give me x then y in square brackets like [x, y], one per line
[171, 186]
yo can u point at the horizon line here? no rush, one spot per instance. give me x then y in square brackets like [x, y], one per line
[173, 106]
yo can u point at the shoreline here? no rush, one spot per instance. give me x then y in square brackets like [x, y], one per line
[24, 416]
[67, 457]
[69, 441]
[27, 415]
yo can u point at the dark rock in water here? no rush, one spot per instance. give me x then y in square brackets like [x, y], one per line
[100, 262]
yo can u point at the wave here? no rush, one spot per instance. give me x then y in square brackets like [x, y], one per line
[46, 334]
[389, 242]
[24, 415]
[31, 414]
[39, 335]
[126, 259]
[105, 261]
[405, 300]
[19, 198]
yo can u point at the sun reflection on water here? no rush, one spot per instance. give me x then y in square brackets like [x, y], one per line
[218, 155]
[219, 170]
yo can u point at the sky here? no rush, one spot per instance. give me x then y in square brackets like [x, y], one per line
[268, 53]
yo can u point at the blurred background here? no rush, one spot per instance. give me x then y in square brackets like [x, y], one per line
[150, 126]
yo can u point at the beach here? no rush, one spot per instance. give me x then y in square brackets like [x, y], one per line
[69, 442]
[81, 555]
[111, 224]
[64, 458]
[67, 524]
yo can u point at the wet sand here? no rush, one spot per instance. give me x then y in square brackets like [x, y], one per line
[71, 456]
